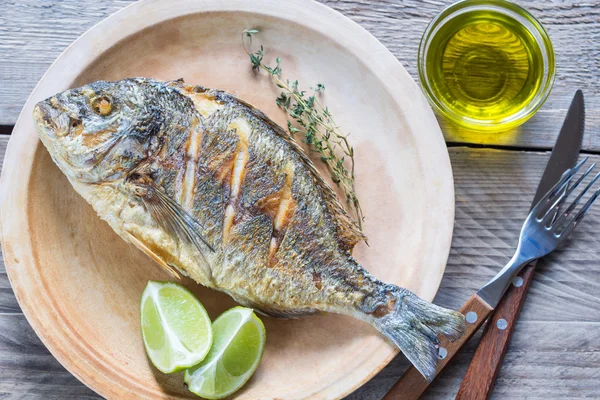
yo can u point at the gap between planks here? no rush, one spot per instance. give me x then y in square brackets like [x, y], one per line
[33, 39]
[451, 144]
[7, 130]
[557, 328]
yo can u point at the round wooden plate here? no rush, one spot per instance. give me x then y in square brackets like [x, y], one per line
[80, 285]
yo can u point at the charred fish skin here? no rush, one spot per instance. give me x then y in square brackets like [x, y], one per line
[207, 185]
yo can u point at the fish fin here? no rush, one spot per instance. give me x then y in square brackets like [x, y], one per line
[176, 83]
[414, 324]
[272, 312]
[143, 247]
[175, 220]
[284, 314]
[347, 229]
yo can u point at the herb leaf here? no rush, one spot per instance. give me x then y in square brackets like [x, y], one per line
[320, 131]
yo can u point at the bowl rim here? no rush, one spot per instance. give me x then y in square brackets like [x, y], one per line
[14, 183]
[522, 16]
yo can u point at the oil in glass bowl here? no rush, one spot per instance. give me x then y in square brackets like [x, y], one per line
[487, 65]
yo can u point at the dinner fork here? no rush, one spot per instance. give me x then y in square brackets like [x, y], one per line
[545, 228]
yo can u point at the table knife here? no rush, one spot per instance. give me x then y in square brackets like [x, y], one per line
[482, 304]
[485, 365]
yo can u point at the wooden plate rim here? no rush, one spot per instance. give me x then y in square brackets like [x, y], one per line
[18, 163]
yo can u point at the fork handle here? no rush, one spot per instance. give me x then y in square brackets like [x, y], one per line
[412, 384]
[487, 361]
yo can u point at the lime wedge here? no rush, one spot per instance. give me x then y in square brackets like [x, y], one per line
[175, 326]
[239, 341]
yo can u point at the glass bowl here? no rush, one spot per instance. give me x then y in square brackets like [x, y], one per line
[508, 10]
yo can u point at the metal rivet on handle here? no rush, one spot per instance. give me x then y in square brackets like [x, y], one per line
[471, 317]
[517, 281]
[442, 353]
[502, 324]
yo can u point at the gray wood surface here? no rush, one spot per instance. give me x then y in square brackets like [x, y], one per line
[34, 32]
[555, 352]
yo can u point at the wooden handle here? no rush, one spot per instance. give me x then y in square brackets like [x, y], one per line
[486, 362]
[412, 384]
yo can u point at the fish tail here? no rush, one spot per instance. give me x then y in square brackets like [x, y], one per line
[413, 324]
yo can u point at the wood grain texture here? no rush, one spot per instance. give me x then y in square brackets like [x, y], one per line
[554, 352]
[27, 369]
[8, 302]
[40, 209]
[573, 26]
[481, 375]
[412, 384]
[34, 32]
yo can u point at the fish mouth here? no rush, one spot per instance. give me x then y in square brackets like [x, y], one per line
[47, 120]
[53, 122]
[46, 117]
[41, 113]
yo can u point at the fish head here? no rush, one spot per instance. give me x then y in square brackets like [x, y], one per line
[99, 132]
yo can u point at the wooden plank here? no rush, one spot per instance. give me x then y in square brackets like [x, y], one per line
[574, 28]
[28, 370]
[3, 143]
[540, 364]
[547, 365]
[8, 302]
[493, 194]
[35, 32]
[552, 339]
[554, 352]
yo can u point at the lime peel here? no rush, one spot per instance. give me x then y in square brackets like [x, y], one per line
[238, 346]
[176, 328]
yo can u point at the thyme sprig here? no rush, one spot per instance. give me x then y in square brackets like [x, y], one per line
[313, 120]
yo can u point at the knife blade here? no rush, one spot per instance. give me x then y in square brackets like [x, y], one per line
[481, 305]
[567, 147]
[487, 360]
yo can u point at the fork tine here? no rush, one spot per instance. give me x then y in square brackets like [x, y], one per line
[551, 211]
[572, 206]
[584, 210]
[564, 180]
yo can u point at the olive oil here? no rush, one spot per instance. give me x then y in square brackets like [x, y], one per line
[485, 66]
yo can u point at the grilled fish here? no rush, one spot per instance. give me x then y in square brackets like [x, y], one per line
[208, 186]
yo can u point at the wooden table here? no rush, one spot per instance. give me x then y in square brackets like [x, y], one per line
[555, 351]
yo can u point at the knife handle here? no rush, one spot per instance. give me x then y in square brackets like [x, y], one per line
[487, 361]
[412, 384]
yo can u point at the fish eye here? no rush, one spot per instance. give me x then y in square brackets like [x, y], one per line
[102, 105]
[75, 123]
